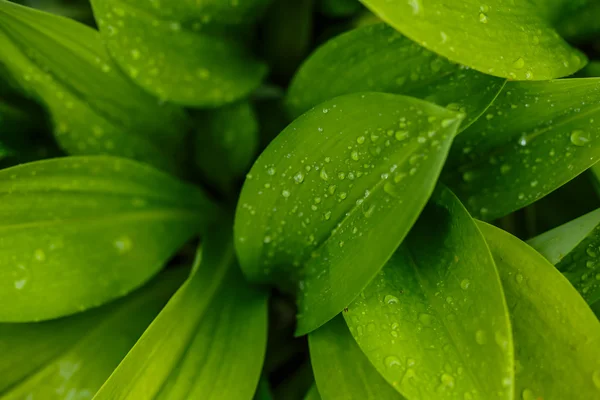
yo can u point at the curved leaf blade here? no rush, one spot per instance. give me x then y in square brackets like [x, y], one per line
[377, 58]
[435, 323]
[337, 177]
[476, 34]
[512, 157]
[80, 231]
[555, 332]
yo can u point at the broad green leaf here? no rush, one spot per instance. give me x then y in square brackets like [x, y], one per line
[70, 358]
[330, 199]
[377, 58]
[225, 143]
[339, 8]
[207, 343]
[341, 369]
[533, 139]
[434, 322]
[95, 109]
[79, 231]
[508, 39]
[263, 391]
[592, 69]
[313, 394]
[574, 249]
[175, 55]
[555, 333]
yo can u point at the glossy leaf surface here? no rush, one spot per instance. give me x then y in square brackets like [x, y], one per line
[79, 231]
[434, 322]
[555, 332]
[508, 39]
[533, 139]
[377, 58]
[330, 199]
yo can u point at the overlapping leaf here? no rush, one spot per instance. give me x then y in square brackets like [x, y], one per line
[79, 231]
[534, 138]
[555, 332]
[377, 58]
[330, 199]
[94, 108]
[508, 39]
[434, 322]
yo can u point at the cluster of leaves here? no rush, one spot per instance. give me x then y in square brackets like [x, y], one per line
[128, 128]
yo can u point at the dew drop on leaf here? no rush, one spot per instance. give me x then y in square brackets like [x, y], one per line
[579, 138]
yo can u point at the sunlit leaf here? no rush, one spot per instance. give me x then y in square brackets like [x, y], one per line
[79, 231]
[330, 199]
[377, 58]
[555, 332]
[508, 39]
[434, 322]
[94, 108]
[533, 139]
[341, 369]
[207, 343]
[70, 358]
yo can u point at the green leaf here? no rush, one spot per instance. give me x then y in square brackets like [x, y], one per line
[347, 179]
[313, 394]
[377, 58]
[339, 8]
[582, 24]
[177, 57]
[70, 358]
[226, 142]
[435, 323]
[95, 109]
[533, 139]
[508, 39]
[341, 369]
[80, 231]
[208, 342]
[555, 332]
[574, 249]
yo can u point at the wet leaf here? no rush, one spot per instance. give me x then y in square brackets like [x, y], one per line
[533, 139]
[80, 231]
[70, 358]
[341, 369]
[434, 322]
[330, 199]
[508, 39]
[555, 332]
[180, 56]
[574, 248]
[94, 108]
[377, 58]
[208, 342]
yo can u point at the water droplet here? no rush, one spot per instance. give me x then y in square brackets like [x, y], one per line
[392, 361]
[468, 176]
[327, 215]
[123, 244]
[591, 252]
[360, 140]
[480, 337]
[447, 380]
[267, 239]
[504, 168]
[39, 255]
[519, 278]
[390, 299]
[354, 155]
[483, 18]
[465, 283]
[285, 193]
[271, 171]
[527, 394]
[299, 177]
[519, 63]
[579, 138]
[426, 319]
[401, 135]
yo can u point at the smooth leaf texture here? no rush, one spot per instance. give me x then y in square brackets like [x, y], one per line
[533, 139]
[341, 369]
[508, 39]
[313, 394]
[95, 109]
[434, 322]
[207, 343]
[79, 231]
[330, 199]
[70, 358]
[377, 58]
[574, 249]
[176, 56]
[555, 333]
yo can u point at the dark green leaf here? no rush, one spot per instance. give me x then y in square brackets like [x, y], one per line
[207, 343]
[534, 138]
[339, 8]
[377, 58]
[508, 39]
[435, 322]
[70, 358]
[313, 394]
[79, 231]
[177, 57]
[341, 369]
[555, 332]
[94, 108]
[581, 25]
[328, 202]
